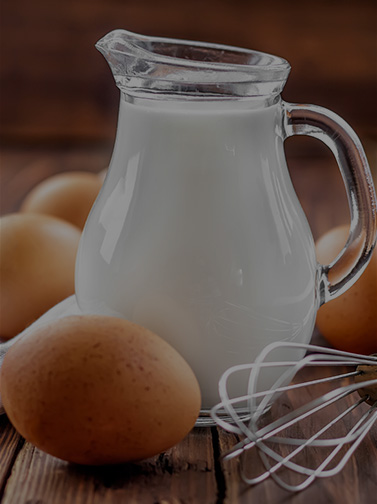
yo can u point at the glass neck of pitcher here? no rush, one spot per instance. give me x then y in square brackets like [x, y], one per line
[170, 69]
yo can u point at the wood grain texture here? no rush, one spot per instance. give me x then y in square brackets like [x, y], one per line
[183, 474]
[10, 444]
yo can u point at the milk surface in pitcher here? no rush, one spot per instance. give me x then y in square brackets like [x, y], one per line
[198, 235]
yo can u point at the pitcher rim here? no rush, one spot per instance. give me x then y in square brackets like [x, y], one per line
[277, 62]
[170, 68]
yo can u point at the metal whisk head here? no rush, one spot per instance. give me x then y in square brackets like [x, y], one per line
[294, 421]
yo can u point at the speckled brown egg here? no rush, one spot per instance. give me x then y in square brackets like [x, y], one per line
[98, 390]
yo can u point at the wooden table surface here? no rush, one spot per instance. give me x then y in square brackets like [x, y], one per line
[192, 471]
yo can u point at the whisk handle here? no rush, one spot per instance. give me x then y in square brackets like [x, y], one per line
[318, 122]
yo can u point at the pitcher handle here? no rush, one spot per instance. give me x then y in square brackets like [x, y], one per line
[318, 122]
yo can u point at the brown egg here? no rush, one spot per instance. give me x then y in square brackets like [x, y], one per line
[349, 322]
[98, 390]
[37, 264]
[68, 195]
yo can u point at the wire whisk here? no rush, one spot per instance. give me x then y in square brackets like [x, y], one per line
[327, 417]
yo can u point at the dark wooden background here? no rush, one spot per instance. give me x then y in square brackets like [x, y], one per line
[56, 88]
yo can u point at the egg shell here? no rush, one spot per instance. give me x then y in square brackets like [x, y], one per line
[349, 322]
[98, 390]
[68, 195]
[37, 267]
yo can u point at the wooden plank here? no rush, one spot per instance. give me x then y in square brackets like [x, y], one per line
[10, 444]
[185, 473]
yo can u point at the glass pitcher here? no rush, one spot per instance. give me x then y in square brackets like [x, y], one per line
[197, 233]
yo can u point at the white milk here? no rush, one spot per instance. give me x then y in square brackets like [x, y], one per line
[198, 235]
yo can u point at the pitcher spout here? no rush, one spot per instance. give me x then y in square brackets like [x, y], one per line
[120, 46]
[162, 67]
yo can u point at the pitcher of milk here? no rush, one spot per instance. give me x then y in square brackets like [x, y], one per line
[197, 233]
